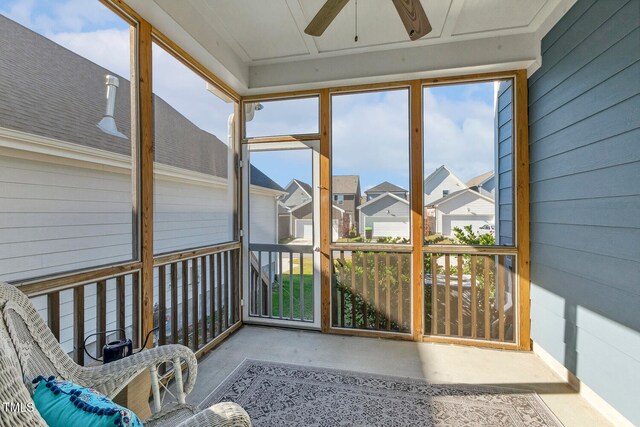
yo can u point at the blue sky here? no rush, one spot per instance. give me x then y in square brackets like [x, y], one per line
[370, 131]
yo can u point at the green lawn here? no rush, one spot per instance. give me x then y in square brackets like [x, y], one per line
[307, 280]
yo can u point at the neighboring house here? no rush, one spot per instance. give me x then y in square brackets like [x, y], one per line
[441, 183]
[386, 187]
[347, 197]
[298, 192]
[484, 184]
[464, 207]
[65, 184]
[387, 216]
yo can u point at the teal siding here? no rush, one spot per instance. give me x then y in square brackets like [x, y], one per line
[504, 167]
[584, 135]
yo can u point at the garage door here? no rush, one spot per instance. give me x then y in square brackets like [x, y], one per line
[304, 229]
[390, 229]
[449, 222]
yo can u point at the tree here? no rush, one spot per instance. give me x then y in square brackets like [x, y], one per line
[466, 236]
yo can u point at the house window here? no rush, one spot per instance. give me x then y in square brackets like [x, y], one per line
[445, 193]
[339, 198]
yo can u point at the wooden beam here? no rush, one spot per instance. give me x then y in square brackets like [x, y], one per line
[53, 313]
[325, 210]
[416, 159]
[522, 208]
[145, 162]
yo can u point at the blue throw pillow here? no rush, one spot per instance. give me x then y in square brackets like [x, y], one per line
[65, 404]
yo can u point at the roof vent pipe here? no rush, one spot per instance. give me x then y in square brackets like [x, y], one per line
[108, 124]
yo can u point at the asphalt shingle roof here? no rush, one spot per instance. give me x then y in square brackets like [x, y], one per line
[345, 184]
[385, 187]
[48, 90]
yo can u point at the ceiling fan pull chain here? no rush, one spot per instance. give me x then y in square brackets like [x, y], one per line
[356, 38]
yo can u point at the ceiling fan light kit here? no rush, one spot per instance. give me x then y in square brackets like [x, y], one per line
[411, 14]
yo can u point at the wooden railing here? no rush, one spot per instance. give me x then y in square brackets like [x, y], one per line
[371, 290]
[196, 301]
[470, 296]
[281, 282]
[198, 295]
[107, 304]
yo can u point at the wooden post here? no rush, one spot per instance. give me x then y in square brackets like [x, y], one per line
[417, 238]
[522, 208]
[325, 210]
[145, 162]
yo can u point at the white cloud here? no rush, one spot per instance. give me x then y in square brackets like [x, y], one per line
[108, 48]
[50, 17]
[458, 134]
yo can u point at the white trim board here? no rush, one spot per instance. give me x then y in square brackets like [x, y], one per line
[593, 398]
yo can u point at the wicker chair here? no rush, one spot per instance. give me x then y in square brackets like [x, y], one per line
[28, 349]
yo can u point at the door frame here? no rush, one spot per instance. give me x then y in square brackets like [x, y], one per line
[247, 318]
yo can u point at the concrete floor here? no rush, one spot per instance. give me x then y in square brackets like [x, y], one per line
[430, 361]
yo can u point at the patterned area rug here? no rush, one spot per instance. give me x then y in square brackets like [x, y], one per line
[276, 394]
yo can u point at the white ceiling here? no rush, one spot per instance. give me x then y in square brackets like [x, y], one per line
[264, 45]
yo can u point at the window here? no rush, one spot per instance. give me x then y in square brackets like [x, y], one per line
[468, 163]
[194, 182]
[66, 184]
[340, 199]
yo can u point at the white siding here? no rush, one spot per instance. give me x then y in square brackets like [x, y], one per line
[189, 215]
[56, 218]
[467, 208]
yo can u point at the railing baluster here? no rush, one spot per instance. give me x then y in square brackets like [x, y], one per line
[291, 316]
[203, 300]
[270, 288]
[447, 296]
[400, 293]
[376, 290]
[487, 307]
[162, 304]
[387, 292]
[212, 296]
[120, 303]
[185, 303]
[226, 289]
[101, 315]
[353, 290]
[280, 295]
[291, 289]
[260, 285]
[219, 290]
[235, 284]
[194, 303]
[474, 299]
[342, 288]
[365, 290]
[434, 294]
[501, 319]
[78, 324]
[135, 312]
[460, 298]
[174, 303]
[53, 313]
[300, 273]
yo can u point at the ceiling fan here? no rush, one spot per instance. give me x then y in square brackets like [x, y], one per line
[411, 13]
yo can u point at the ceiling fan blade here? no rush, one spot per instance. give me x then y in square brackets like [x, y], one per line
[324, 17]
[413, 17]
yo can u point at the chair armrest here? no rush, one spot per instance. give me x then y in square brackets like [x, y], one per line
[225, 414]
[111, 378]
